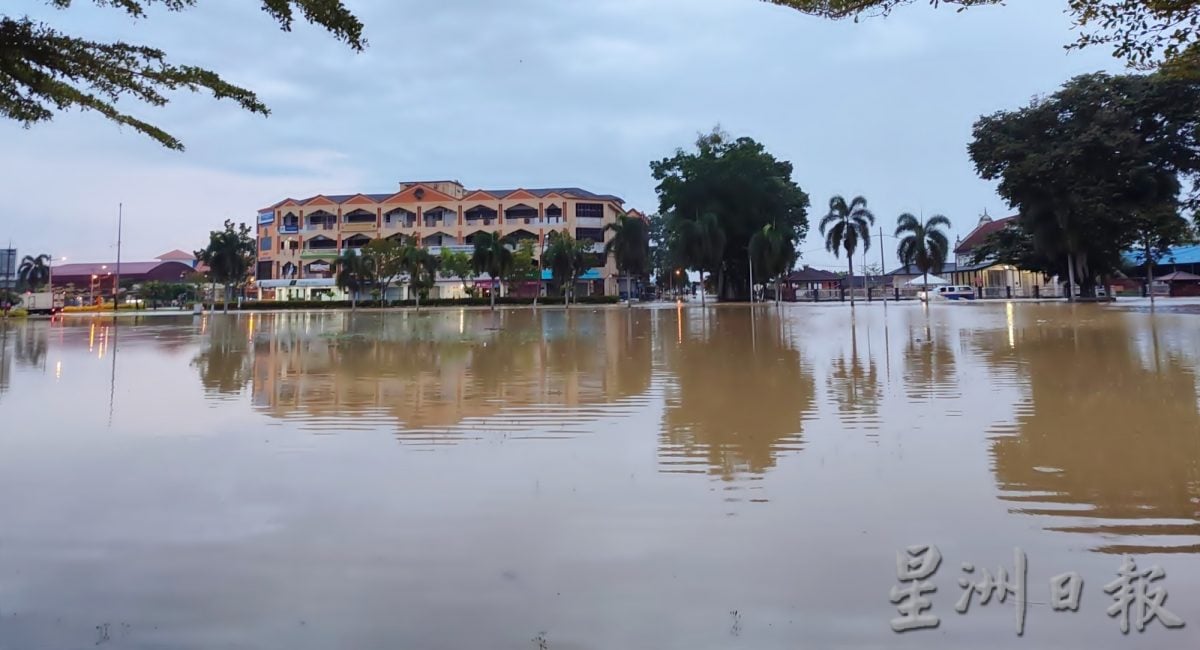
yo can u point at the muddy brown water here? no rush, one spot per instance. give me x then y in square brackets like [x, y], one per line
[599, 478]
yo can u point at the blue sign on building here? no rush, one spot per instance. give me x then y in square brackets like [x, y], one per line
[265, 217]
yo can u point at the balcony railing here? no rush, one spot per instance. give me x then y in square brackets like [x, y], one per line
[451, 248]
[289, 229]
[323, 252]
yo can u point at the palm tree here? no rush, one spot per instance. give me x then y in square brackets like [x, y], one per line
[630, 248]
[491, 256]
[229, 256]
[703, 244]
[352, 273]
[773, 252]
[34, 271]
[844, 226]
[923, 245]
[566, 257]
[421, 267]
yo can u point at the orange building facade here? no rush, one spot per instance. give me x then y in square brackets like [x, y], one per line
[299, 240]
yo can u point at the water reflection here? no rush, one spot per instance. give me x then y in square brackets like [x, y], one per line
[929, 370]
[24, 345]
[854, 385]
[735, 397]
[440, 373]
[1107, 439]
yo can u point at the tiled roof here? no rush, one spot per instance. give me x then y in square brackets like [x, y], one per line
[571, 192]
[809, 274]
[976, 237]
[102, 268]
[177, 255]
[911, 269]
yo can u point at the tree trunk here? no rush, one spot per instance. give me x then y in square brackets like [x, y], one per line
[850, 280]
[492, 295]
[1070, 277]
[1149, 274]
[702, 303]
[925, 286]
[225, 303]
[354, 300]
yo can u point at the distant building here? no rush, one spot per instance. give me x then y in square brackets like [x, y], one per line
[299, 239]
[993, 279]
[83, 275]
[178, 255]
[805, 283]
[905, 274]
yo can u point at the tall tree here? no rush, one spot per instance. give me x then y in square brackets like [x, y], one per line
[629, 247]
[491, 256]
[844, 226]
[1142, 32]
[702, 246]
[524, 268]
[384, 259]
[1088, 165]
[743, 187]
[34, 271]
[45, 71]
[774, 253]
[567, 259]
[923, 245]
[421, 268]
[229, 257]
[457, 265]
[352, 274]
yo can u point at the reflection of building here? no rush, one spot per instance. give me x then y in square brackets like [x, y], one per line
[1106, 441]
[449, 370]
[300, 239]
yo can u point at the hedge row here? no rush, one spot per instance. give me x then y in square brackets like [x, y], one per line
[251, 305]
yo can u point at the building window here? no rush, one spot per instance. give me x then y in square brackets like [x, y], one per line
[264, 244]
[589, 210]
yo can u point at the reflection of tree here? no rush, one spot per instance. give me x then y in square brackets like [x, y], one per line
[29, 345]
[1106, 430]
[224, 363]
[737, 397]
[929, 364]
[5, 358]
[854, 385]
[434, 371]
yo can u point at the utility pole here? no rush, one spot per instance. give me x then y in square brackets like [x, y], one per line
[117, 277]
[750, 259]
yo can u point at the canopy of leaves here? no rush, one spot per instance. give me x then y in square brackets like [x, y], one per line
[229, 254]
[1142, 32]
[34, 272]
[923, 245]
[44, 71]
[629, 245]
[743, 187]
[1098, 166]
[566, 257]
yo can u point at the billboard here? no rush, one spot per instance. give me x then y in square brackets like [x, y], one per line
[265, 217]
[8, 267]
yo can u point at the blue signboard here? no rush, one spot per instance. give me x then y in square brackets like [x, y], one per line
[265, 217]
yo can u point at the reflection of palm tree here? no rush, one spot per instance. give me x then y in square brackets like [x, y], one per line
[29, 346]
[422, 373]
[224, 364]
[715, 377]
[1106, 430]
[853, 385]
[929, 365]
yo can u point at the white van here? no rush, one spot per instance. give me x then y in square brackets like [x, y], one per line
[954, 292]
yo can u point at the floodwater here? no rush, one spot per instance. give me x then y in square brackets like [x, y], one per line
[593, 479]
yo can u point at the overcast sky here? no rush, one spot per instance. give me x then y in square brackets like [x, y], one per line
[533, 93]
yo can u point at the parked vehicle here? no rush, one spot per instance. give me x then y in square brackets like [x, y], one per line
[42, 303]
[950, 292]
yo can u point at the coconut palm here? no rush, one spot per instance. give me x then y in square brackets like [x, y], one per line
[566, 257]
[923, 245]
[352, 273]
[34, 271]
[630, 248]
[773, 252]
[844, 226]
[491, 256]
[702, 245]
